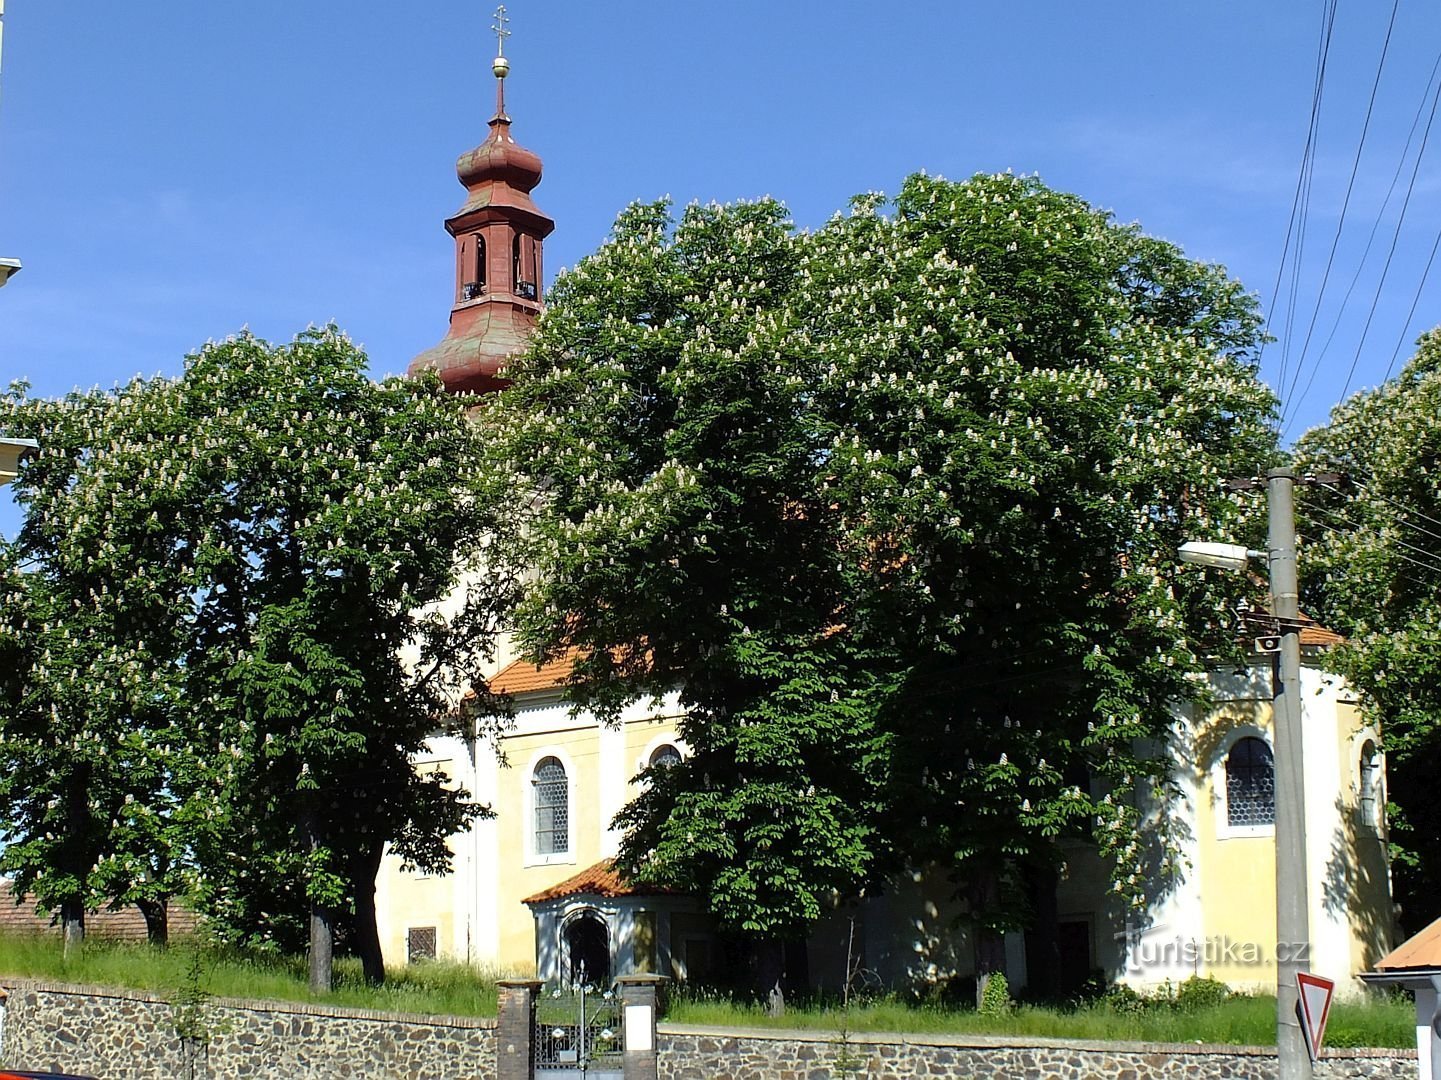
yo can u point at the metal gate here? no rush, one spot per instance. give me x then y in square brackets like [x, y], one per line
[578, 1035]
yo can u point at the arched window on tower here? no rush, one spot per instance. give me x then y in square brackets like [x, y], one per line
[476, 285]
[550, 798]
[524, 287]
[1250, 784]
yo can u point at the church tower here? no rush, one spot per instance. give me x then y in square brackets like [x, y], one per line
[499, 233]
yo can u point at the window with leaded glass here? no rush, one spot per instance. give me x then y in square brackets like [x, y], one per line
[551, 798]
[664, 756]
[1250, 784]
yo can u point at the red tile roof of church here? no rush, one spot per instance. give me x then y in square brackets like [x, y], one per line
[524, 677]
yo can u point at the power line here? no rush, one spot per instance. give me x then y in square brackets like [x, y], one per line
[1398, 506]
[1395, 237]
[1345, 204]
[1307, 156]
[1376, 225]
[1357, 527]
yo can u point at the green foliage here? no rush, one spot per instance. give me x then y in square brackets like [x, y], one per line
[1201, 993]
[222, 636]
[1369, 572]
[93, 606]
[996, 996]
[893, 508]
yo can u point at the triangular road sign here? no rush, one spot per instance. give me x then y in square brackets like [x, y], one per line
[1314, 1005]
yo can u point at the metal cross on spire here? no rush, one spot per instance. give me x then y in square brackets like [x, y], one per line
[500, 65]
[499, 28]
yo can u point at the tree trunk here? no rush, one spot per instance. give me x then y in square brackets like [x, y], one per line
[990, 945]
[322, 918]
[770, 956]
[157, 921]
[322, 949]
[72, 923]
[1043, 938]
[367, 934]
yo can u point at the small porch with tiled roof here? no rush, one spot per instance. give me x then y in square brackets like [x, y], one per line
[1415, 965]
[597, 925]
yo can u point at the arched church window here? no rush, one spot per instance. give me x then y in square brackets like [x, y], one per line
[664, 756]
[1371, 797]
[1250, 784]
[551, 798]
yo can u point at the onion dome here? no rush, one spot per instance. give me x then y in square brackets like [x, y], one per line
[498, 232]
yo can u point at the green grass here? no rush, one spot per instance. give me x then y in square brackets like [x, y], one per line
[1241, 1020]
[432, 988]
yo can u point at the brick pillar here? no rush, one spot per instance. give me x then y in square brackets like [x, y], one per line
[515, 1029]
[639, 1005]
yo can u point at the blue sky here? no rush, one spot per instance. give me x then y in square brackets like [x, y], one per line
[171, 172]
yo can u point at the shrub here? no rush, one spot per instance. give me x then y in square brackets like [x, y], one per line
[996, 996]
[1123, 999]
[1199, 993]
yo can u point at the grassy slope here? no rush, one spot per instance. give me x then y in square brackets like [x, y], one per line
[434, 989]
[1242, 1021]
[454, 989]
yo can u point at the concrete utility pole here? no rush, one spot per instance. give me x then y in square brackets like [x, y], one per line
[1293, 928]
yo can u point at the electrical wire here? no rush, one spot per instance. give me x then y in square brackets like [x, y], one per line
[1345, 202]
[1396, 506]
[1376, 225]
[1358, 527]
[1390, 254]
[1307, 156]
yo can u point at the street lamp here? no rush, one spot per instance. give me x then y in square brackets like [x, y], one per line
[8, 268]
[12, 452]
[1219, 556]
[1293, 929]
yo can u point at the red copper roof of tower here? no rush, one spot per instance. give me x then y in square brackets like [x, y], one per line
[491, 324]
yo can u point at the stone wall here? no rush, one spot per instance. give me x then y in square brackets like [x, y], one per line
[692, 1053]
[124, 1035]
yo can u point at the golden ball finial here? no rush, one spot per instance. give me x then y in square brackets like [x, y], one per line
[501, 66]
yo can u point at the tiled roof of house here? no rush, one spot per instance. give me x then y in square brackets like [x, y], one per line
[1314, 634]
[523, 677]
[1422, 951]
[602, 880]
[127, 924]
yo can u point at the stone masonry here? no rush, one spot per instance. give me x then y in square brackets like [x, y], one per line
[126, 1035]
[693, 1053]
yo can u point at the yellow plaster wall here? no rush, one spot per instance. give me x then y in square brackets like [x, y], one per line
[1237, 874]
[416, 900]
[580, 746]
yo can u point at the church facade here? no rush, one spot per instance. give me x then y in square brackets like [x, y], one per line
[532, 889]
